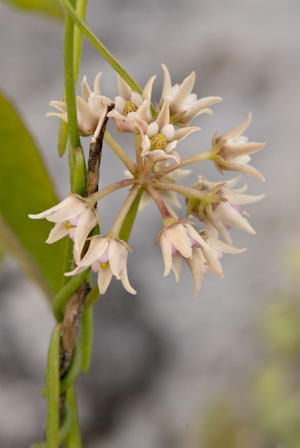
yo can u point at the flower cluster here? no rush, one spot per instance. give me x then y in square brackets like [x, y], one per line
[157, 133]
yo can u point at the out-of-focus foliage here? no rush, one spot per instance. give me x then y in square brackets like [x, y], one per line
[270, 414]
[26, 188]
[49, 7]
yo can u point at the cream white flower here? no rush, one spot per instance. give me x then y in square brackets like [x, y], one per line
[167, 195]
[233, 154]
[183, 104]
[203, 259]
[74, 217]
[228, 211]
[89, 107]
[107, 256]
[160, 139]
[131, 108]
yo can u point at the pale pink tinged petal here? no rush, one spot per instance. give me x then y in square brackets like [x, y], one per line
[122, 123]
[164, 115]
[97, 247]
[232, 182]
[223, 247]
[50, 210]
[168, 131]
[247, 169]
[178, 101]
[176, 266]
[74, 221]
[147, 92]
[239, 198]
[240, 159]
[87, 118]
[124, 89]
[144, 112]
[136, 99]
[116, 253]
[178, 235]
[181, 133]
[179, 174]
[170, 196]
[145, 200]
[167, 86]
[97, 90]
[232, 149]
[104, 279]
[228, 215]
[124, 276]
[153, 129]
[72, 233]
[59, 231]
[213, 263]
[119, 105]
[210, 226]
[218, 224]
[75, 271]
[170, 146]
[236, 132]
[191, 99]
[158, 155]
[196, 273]
[73, 208]
[87, 221]
[139, 125]
[166, 248]
[63, 117]
[197, 237]
[145, 144]
[85, 90]
[60, 105]
[197, 107]
[95, 266]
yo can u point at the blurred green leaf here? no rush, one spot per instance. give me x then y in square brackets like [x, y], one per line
[26, 188]
[50, 7]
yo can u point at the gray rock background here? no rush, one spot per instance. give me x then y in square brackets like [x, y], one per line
[159, 356]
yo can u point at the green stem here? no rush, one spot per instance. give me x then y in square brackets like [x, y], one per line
[116, 228]
[130, 217]
[66, 424]
[52, 384]
[87, 338]
[70, 377]
[109, 189]
[61, 298]
[70, 82]
[185, 191]
[92, 296]
[73, 439]
[207, 155]
[103, 50]
[120, 153]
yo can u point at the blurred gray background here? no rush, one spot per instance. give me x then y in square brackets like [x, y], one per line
[159, 356]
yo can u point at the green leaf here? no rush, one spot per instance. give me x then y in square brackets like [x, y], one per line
[26, 188]
[50, 7]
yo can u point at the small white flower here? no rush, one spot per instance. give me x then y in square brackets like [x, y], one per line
[107, 256]
[183, 104]
[233, 154]
[160, 139]
[89, 107]
[131, 108]
[74, 217]
[229, 211]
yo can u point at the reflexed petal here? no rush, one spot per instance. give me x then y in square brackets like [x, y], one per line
[87, 221]
[170, 146]
[240, 198]
[73, 207]
[97, 247]
[178, 101]
[60, 105]
[104, 279]
[147, 92]
[177, 234]
[242, 168]
[197, 107]
[176, 266]
[51, 210]
[75, 271]
[158, 155]
[59, 231]
[232, 150]
[181, 133]
[63, 117]
[85, 89]
[197, 275]
[124, 276]
[124, 89]
[229, 215]
[167, 86]
[116, 253]
[164, 115]
[97, 84]
[166, 248]
[236, 132]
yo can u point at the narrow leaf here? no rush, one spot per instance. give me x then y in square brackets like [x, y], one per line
[50, 7]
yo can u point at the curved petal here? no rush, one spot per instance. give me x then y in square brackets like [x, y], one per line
[178, 100]
[176, 266]
[195, 108]
[85, 89]
[181, 133]
[196, 273]
[164, 115]
[59, 231]
[60, 105]
[124, 89]
[166, 249]
[236, 132]
[124, 276]
[97, 247]
[167, 86]
[73, 208]
[116, 253]
[97, 90]
[104, 279]
[51, 210]
[87, 221]
[147, 92]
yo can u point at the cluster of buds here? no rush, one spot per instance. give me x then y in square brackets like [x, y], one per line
[157, 133]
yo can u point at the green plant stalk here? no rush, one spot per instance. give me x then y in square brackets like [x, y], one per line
[130, 217]
[103, 50]
[70, 82]
[87, 338]
[52, 384]
[64, 294]
[92, 296]
[73, 439]
[66, 424]
[70, 377]
[63, 127]
[67, 261]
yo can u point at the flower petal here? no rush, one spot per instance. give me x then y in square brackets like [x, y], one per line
[59, 231]
[124, 89]
[104, 279]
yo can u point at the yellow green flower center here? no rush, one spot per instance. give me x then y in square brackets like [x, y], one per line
[159, 141]
[68, 225]
[129, 107]
[104, 265]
